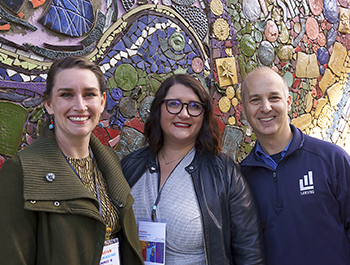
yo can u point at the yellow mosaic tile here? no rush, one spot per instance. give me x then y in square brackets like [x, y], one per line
[302, 122]
[337, 59]
[224, 104]
[335, 93]
[227, 73]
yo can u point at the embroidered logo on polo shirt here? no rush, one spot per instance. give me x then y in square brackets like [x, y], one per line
[306, 184]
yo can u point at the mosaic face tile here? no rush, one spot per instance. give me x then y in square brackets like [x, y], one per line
[69, 17]
[221, 29]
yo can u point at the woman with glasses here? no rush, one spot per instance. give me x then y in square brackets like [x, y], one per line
[183, 181]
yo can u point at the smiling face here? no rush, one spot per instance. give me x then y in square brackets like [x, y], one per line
[76, 103]
[266, 105]
[180, 129]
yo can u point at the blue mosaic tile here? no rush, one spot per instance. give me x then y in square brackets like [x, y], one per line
[17, 78]
[154, 41]
[132, 29]
[127, 41]
[151, 60]
[6, 77]
[145, 55]
[163, 58]
[154, 68]
[119, 47]
[191, 55]
[189, 70]
[144, 20]
[151, 18]
[141, 65]
[186, 37]
[108, 74]
[158, 62]
[167, 70]
[120, 121]
[172, 62]
[112, 70]
[182, 62]
[145, 45]
[161, 33]
[105, 60]
[196, 51]
[110, 102]
[163, 20]
[119, 63]
[112, 53]
[127, 60]
[133, 38]
[156, 57]
[69, 17]
[148, 71]
[161, 69]
[170, 31]
[117, 93]
[167, 64]
[2, 72]
[157, 20]
[141, 25]
[137, 58]
[152, 51]
[175, 66]
[141, 51]
[38, 79]
[138, 33]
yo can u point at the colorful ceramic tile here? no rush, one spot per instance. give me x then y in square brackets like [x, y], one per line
[12, 118]
[70, 17]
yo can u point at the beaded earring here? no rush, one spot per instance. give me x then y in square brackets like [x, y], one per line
[51, 123]
[100, 124]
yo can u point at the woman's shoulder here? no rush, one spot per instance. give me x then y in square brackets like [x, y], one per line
[138, 154]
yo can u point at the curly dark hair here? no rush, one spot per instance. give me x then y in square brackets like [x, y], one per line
[209, 136]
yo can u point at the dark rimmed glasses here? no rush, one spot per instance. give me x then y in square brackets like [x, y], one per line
[175, 106]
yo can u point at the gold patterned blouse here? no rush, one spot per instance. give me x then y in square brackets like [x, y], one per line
[91, 177]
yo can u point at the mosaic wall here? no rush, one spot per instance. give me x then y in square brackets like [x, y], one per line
[139, 43]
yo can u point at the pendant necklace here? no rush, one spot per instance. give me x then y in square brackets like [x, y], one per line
[167, 163]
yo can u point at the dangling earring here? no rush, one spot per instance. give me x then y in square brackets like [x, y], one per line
[100, 124]
[51, 123]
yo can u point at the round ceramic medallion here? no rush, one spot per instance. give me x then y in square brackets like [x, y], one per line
[127, 107]
[126, 77]
[197, 65]
[177, 41]
[221, 29]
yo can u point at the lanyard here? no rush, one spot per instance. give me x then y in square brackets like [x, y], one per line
[96, 186]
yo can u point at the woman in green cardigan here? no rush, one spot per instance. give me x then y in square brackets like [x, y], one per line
[64, 199]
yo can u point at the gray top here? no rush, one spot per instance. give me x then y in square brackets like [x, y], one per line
[179, 206]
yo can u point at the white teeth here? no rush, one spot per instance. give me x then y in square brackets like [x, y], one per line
[78, 118]
[183, 125]
[266, 119]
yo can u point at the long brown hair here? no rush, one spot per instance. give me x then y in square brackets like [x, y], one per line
[209, 136]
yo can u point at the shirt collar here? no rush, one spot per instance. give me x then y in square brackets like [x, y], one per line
[266, 158]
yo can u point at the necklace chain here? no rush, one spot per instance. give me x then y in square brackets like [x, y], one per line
[168, 162]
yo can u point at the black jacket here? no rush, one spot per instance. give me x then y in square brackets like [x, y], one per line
[232, 233]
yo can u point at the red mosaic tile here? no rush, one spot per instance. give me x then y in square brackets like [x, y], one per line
[136, 124]
[102, 135]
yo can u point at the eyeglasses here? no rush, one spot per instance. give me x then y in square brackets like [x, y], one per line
[175, 106]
